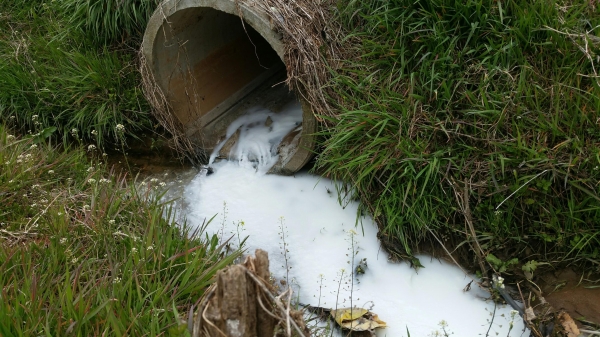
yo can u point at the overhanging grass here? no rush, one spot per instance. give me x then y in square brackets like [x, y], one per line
[496, 97]
[83, 252]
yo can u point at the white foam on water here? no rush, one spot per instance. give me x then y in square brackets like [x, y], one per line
[258, 143]
[319, 234]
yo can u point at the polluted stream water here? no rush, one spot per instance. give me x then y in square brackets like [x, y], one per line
[321, 246]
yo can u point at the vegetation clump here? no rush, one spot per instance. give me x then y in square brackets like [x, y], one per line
[472, 123]
[73, 63]
[84, 252]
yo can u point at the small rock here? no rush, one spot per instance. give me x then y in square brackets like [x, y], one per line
[206, 170]
[269, 121]
[229, 144]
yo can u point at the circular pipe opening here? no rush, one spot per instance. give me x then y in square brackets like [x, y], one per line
[212, 66]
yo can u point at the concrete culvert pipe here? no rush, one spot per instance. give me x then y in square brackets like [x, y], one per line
[212, 66]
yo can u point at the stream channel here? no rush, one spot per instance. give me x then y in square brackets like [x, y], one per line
[310, 233]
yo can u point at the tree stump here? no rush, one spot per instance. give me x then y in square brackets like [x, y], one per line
[235, 305]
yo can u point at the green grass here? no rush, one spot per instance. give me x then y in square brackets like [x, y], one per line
[55, 66]
[83, 252]
[498, 97]
[109, 21]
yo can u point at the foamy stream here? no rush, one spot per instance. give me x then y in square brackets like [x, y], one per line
[320, 233]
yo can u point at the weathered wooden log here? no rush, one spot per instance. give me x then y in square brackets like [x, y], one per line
[235, 305]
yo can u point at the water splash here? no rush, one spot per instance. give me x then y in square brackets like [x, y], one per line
[258, 134]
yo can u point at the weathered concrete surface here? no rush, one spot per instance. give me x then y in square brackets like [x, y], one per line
[211, 67]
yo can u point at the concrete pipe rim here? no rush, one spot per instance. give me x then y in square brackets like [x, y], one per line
[261, 23]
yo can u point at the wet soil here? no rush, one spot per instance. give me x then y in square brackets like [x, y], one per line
[579, 296]
[144, 158]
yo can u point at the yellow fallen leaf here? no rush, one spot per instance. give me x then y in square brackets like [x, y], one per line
[361, 324]
[357, 319]
[567, 322]
[347, 314]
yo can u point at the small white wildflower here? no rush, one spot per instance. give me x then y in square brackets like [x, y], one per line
[33, 147]
[86, 207]
[91, 181]
[11, 181]
[59, 213]
[513, 313]
[12, 117]
[35, 186]
[352, 232]
[10, 137]
[104, 154]
[51, 172]
[163, 184]
[120, 128]
[111, 222]
[19, 161]
[7, 163]
[153, 180]
[74, 131]
[117, 280]
[74, 260]
[43, 201]
[34, 117]
[33, 205]
[104, 181]
[119, 233]
[134, 250]
[150, 247]
[91, 147]
[94, 132]
[90, 169]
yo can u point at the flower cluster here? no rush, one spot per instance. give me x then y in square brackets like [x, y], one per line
[499, 281]
[23, 158]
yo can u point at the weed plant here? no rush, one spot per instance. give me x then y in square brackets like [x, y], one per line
[477, 111]
[72, 73]
[82, 252]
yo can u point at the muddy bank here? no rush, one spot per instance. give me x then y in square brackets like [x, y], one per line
[146, 157]
[568, 290]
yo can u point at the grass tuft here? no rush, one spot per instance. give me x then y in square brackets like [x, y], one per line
[501, 98]
[83, 252]
[54, 69]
